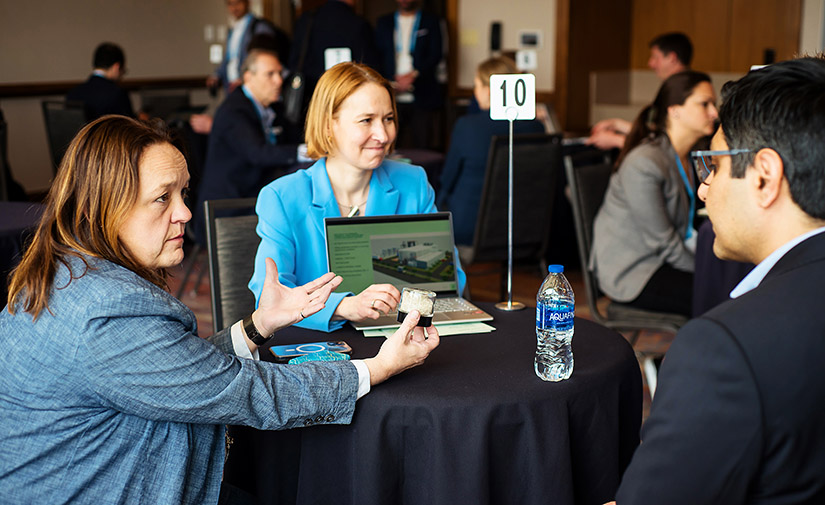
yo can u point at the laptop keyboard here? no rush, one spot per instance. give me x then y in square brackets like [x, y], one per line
[452, 304]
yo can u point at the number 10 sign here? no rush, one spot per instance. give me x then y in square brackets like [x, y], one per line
[513, 96]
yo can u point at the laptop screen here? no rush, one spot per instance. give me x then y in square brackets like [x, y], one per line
[403, 250]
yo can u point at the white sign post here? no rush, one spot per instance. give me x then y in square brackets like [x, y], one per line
[512, 98]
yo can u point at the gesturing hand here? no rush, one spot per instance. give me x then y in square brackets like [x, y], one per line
[369, 304]
[409, 346]
[280, 306]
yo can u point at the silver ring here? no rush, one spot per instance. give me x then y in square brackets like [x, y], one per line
[302, 314]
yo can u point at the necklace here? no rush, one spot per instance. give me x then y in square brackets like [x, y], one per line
[351, 210]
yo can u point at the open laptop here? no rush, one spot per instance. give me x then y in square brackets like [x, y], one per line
[413, 250]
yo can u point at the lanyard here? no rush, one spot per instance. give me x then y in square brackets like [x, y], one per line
[413, 34]
[691, 196]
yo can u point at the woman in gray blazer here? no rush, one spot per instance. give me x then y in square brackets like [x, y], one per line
[643, 236]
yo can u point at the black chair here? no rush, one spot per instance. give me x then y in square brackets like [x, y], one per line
[232, 244]
[63, 121]
[588, 185]
[537, 170]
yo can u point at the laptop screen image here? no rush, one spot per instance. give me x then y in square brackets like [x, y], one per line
[413, 250]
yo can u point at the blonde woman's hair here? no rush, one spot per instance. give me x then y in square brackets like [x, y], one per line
[493, 66]
[97, 185]
[335, 86]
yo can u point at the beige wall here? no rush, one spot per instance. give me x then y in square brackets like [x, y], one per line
[474, 18]
[53, 41]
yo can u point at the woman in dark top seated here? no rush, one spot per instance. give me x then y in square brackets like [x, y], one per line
[462, 179]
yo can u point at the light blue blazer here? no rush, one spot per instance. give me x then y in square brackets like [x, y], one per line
[291, 212]
[110, 396]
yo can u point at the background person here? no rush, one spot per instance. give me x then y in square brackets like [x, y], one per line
[107, 392]
[100, 94]
[643, 236]
[462, 178]
[250, 144]
[333, 25]
[351, 127]
[410, 43]
[244, 27]
[670, 53]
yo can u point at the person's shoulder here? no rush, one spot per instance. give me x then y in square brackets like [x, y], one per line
[429, 18]
[235, 105]
[650, 155]
[473, 121]
[385, 20]
[401, 173]
[94, 285]
[290, 187]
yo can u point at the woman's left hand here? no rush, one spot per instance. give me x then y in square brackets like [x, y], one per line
[281, 306]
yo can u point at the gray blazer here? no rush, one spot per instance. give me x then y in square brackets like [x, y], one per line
[642, 222]
[110, 396]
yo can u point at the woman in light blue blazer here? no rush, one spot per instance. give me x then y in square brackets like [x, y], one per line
[108, 393]
[351, 127]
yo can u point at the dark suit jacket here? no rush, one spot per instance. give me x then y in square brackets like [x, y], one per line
[428, 52]
[739, 414]
[239, 161]
[462, 178]
[335, 24]
[101, 96]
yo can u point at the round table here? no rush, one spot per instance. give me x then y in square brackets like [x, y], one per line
[474, 424]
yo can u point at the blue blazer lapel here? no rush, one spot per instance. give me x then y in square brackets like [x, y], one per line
[383, 197]
[323, 199]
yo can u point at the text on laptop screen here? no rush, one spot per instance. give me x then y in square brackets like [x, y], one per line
[402, 253]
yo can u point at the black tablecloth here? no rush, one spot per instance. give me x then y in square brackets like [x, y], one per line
[713, 279]
[17, 221]
[472, 425]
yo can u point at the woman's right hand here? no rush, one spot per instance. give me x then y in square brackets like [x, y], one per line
[371, 303]
[409, 346]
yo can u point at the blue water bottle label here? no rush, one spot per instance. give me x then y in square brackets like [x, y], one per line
[556, 316]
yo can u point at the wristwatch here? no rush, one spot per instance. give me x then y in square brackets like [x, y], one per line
[252, 332]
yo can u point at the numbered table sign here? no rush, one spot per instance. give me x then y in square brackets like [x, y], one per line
[513, 96]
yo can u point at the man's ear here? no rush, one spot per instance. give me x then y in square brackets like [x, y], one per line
[768, 174]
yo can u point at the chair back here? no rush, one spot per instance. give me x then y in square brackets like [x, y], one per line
[63, 121]
[588, 185]
[537, 166]
[232, 244]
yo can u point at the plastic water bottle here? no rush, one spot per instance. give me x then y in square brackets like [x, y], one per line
[555, 309]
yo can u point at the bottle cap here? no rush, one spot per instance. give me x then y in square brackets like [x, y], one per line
[555, 269]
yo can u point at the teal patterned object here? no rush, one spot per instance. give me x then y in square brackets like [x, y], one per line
[319, 356]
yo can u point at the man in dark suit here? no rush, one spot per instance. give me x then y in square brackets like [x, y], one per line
[738, 415]
[100, 94]
[412, 48]
[249, 145]
[333, 25]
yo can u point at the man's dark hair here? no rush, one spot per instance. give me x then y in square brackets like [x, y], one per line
[107, 54]
[675, 42]
[781, 107]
